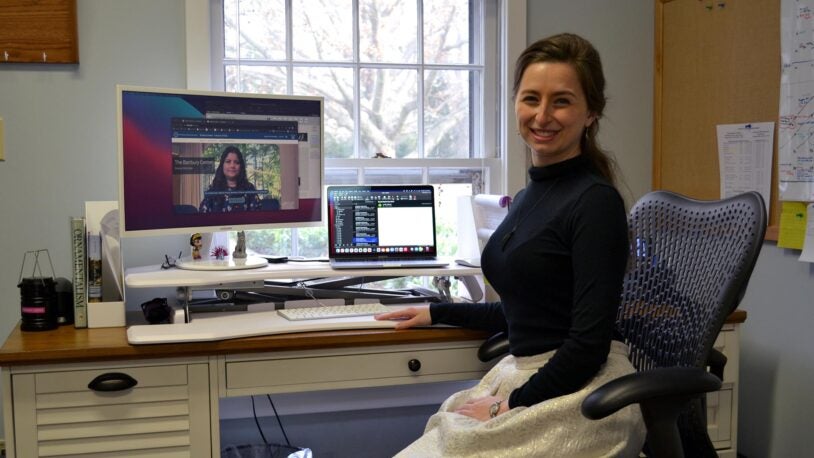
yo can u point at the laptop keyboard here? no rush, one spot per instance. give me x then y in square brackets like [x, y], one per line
[332, 311]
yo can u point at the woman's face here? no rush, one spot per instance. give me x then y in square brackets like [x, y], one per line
[551, 111]
[231, 167]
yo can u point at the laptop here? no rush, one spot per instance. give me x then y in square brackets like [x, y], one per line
[382, 226]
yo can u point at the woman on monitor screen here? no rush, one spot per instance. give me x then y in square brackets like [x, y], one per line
[224, 194]
[557, 261]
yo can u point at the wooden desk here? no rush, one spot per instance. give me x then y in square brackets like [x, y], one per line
[48, 407]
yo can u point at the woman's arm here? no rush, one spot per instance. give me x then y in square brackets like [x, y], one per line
[484, 316]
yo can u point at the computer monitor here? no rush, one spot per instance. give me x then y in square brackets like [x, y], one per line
[200, 161]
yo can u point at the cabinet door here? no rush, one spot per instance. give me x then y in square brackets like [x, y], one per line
[722, 414]
[165, 414]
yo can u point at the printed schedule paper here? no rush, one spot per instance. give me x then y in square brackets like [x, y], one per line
[745, 158]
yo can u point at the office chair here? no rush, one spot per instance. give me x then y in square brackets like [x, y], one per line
[269, 204]
[185, 209]
[690, 262]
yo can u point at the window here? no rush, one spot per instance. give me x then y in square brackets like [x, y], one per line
[410, 86]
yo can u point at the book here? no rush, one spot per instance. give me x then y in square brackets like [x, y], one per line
[93, 282]
[78, 253]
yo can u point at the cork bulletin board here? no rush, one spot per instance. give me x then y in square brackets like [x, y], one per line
[717, 62]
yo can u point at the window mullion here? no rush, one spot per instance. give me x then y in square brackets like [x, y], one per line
[289, 49]
[239, 53]
[357, 90]
[420, 95]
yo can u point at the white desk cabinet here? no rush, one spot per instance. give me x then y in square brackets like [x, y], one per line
[166, 414]
[722, 406]
[173, 410]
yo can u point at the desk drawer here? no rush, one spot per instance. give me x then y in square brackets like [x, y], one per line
[165, 414]
[300, 373]
[77, 381]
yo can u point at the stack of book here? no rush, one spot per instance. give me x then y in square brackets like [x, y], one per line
[97, 268]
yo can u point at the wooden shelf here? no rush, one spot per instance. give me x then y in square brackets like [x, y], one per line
[43, 31]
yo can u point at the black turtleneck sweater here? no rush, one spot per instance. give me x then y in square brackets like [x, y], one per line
[557, 263]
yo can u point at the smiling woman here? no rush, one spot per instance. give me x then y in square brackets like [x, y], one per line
[230, 189]
[551, 112]
[557, 262]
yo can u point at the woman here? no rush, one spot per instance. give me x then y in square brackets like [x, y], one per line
[224, 193]
[557, 261]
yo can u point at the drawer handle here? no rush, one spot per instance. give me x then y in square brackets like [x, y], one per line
[414, 365]
[112, 381]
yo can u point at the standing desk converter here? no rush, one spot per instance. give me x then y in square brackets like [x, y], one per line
[49, 408]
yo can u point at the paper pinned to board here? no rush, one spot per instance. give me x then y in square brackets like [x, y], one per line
[808, 245]
[745, 158]
[792, 225]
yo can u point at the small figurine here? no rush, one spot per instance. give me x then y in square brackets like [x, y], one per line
[219, 253]
[196, 242]
[240, 247]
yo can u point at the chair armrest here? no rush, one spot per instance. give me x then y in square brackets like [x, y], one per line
[716, 362]
[655, 384]
[491, 348]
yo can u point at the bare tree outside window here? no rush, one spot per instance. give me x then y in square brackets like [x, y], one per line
[403, 80]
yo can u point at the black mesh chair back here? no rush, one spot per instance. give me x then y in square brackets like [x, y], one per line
[690, 262]
[689, 266]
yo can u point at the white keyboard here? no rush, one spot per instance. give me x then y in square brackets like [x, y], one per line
[332, 311]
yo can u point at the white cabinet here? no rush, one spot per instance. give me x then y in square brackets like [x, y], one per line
[166, 413]
[172, 411]
[722, 406]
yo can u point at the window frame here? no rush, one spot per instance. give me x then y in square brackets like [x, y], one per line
[506, 162]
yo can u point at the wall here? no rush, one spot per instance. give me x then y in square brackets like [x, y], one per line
[777, 357]
[60, 124]
[622, 32]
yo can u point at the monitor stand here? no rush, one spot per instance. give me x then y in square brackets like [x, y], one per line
[228, 263]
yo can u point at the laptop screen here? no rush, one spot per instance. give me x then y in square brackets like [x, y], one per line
[381, 222]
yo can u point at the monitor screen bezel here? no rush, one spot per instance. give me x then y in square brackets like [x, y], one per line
[189, 229]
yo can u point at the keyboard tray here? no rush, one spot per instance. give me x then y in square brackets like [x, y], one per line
[233, 325]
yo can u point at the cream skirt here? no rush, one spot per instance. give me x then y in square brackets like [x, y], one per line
[554, 428]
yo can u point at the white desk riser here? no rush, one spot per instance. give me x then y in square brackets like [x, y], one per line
[154, 276]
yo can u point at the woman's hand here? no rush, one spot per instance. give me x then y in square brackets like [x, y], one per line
[479, 408]
[409, 317]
